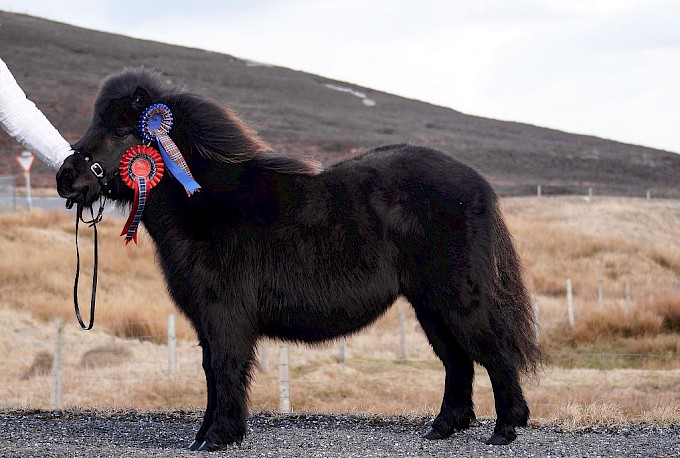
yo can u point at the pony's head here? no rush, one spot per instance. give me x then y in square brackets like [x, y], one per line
[203, 131]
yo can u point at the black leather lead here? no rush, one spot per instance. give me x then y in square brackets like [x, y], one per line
[92, 223]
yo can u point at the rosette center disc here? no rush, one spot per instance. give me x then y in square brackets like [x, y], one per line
[155, 122]
[141, 167]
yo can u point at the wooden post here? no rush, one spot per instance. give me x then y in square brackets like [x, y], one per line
[342, 350]
[172, 348]
[649, 195]
[627, 293]
[538, 191]
[263, 356]
[600, 296]
[284, 380]
[402, 331]
[537, 319]
[590, 192]
[570, 304]
[57, 365]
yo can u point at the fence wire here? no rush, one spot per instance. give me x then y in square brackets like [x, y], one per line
[98, 370]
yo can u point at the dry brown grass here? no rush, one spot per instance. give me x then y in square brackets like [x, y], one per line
[38, 265]
[609, 239]
[667, 306]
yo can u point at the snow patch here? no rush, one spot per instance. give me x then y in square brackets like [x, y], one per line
[366, 101]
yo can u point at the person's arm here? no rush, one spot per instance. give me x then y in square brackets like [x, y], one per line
[22, 120]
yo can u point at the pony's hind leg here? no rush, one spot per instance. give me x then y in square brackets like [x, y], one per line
[511, 407]
[457, 410]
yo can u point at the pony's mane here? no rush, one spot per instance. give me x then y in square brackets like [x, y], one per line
[215, 133]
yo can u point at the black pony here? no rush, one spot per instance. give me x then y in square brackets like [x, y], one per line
[273, 246]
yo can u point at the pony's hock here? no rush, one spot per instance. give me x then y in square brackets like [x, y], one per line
[274, 247]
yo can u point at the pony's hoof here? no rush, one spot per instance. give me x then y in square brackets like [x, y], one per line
[195, 445]
[502, 435]
[434, 435]
[497, 439]
[210, 446]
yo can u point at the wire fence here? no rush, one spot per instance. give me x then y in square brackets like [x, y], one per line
[62, 367]
[10, 202]
[584, 191]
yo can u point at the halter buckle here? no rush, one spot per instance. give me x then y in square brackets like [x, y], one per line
[98, 170]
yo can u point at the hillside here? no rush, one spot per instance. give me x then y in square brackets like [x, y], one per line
[60, 68]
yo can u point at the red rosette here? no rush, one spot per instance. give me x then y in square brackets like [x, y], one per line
[141, 161]
[141, 168]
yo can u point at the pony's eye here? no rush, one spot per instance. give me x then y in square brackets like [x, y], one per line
[121, 132]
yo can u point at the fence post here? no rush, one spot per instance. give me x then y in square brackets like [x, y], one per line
[649, 195]
[627, 293]
[590, 192]
[57, 365]
[600, 296]
[342, 350]
[537, 319]
[402, 331]
[284, 380]
[570, 304]
[538, 191]
[263, 356]
[172, 348]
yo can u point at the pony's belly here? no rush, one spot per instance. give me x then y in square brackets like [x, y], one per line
[315, 323]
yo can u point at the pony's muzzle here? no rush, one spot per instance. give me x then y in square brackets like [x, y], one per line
[76, 182]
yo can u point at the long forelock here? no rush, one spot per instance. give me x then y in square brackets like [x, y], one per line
[124, 84]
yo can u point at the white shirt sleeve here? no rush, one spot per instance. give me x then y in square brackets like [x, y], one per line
[22, 120]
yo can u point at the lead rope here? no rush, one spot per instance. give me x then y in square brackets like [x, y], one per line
[93, 224]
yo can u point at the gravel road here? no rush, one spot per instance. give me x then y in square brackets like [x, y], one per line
[77, 434]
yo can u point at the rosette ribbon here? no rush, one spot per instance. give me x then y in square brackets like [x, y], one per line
[155, 124]
[141, 168]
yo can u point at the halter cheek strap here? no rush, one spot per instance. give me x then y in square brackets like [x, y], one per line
[99, 172]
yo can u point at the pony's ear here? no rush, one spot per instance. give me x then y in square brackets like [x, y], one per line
[141, 99]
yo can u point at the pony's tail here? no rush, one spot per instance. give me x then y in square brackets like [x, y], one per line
[509, 295]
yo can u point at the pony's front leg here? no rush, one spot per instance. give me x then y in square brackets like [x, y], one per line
[232, 350]
[210, 407]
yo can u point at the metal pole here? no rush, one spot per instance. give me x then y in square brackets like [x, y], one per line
[28, 191]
